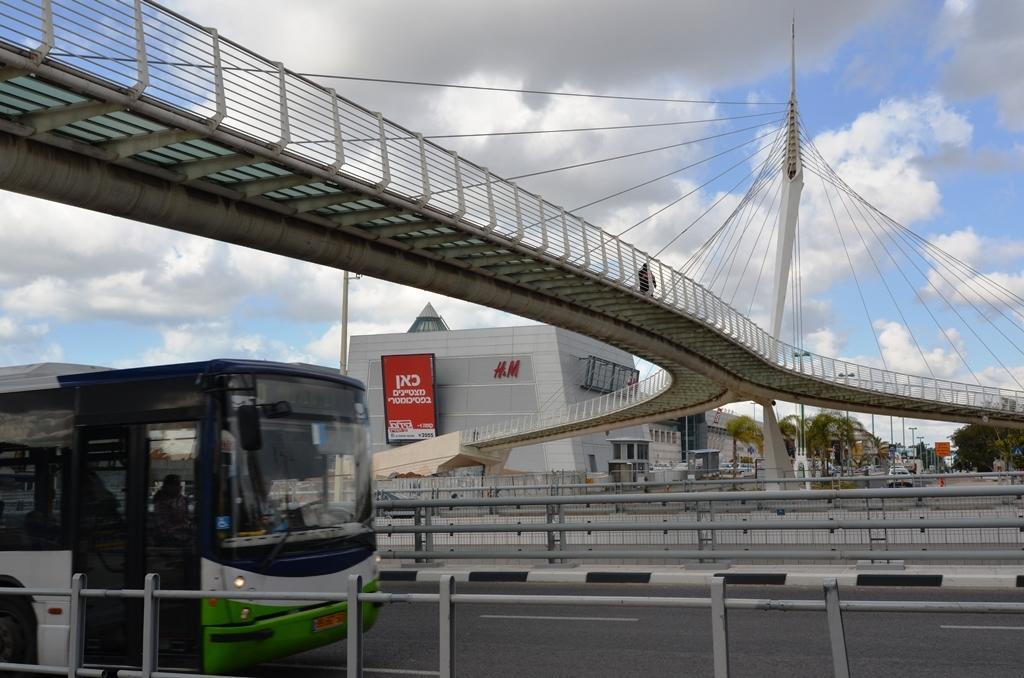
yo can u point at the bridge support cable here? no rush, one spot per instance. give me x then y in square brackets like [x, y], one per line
[697, 261]
[970, 326]
[942, 330]
[695, 190]
[943, 264]
[648, 182]
[796, 294]
[718, 247]
[648, 151]
[564, 130]
[860, 289]
[705, 212]
[654, 179]
[739, 238]
[725, 240]
[889, 242]
[755, 247]
[726, 251]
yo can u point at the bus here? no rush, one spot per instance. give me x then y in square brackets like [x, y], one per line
[220, 476]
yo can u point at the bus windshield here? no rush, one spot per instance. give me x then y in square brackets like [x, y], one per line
[303, 484]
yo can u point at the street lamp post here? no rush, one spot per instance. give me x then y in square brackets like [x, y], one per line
[846, 377]
[343, 348]
[801, 442]
[913, 430]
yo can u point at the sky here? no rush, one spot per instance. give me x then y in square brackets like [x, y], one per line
[918, 106]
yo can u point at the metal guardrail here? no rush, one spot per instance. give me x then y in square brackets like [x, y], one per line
[585, 410]
[187, 77]
[955, 523]
[447, 599]
[504, 485]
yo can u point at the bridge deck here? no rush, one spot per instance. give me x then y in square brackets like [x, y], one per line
[196, 133]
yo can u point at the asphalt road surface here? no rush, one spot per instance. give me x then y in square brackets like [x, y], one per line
[498, 641]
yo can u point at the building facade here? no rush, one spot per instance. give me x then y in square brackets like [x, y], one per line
[489, 375]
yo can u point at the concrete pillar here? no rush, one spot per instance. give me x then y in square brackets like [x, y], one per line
[777, 463]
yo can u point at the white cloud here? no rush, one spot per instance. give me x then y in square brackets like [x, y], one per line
[902, 353]
[26, 343]
[214, 339]
[984, 40]
[979, 250]
[824, 341]
[876, 154]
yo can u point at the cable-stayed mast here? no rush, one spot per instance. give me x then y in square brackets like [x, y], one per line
[777, 463]
[792, 186]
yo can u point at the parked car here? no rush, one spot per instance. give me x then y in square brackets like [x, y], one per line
[899, 476]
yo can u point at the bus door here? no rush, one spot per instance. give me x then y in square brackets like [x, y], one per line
[106, 537]
[136, 515]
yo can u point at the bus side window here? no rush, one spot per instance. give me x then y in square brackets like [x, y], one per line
[172, 458]
[31, 490]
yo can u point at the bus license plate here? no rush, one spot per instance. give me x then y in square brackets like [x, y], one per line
[328, 621]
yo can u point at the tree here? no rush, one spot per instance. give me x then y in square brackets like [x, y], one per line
[743, 429]
[978, 446]
[827, 428]
[790, 428]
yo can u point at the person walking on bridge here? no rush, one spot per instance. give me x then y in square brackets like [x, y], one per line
[645, 280]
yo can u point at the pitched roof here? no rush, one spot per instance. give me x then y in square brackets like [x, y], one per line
[429, 321]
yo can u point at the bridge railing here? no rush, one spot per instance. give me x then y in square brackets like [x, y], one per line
[966, 523]
[584, 410]
[447, 599]
[183, 74]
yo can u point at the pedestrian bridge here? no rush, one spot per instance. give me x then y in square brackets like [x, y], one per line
[140, 113]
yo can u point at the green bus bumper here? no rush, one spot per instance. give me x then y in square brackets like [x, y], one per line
[228, 648]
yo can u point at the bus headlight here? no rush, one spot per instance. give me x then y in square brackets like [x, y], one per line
[377, 559]
[239, 582]
[244, 614]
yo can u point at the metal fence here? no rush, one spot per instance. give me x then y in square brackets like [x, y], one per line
[968, 523]
[561, 483]
[447, 599]
[161, 65]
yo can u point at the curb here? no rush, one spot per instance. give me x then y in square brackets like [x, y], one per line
[752, 578]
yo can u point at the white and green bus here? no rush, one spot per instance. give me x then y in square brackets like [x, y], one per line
[219, 476]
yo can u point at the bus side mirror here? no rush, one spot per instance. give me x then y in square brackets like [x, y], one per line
[249, 427]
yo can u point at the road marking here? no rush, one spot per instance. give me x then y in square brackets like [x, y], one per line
[321, 667]
[528, 616]
[983, 628]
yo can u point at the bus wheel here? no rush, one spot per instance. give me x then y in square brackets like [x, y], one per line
[17, 632]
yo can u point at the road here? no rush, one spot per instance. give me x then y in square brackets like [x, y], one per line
[552, 642]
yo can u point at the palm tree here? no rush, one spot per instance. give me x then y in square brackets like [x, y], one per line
[743, 429]
[826, 428]
[790, 427]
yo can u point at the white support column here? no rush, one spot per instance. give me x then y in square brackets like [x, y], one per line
[776, 459]
[792, 185]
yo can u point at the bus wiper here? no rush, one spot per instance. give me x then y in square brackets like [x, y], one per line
[276, 551]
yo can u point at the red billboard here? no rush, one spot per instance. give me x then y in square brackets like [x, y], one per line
[410, 406]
